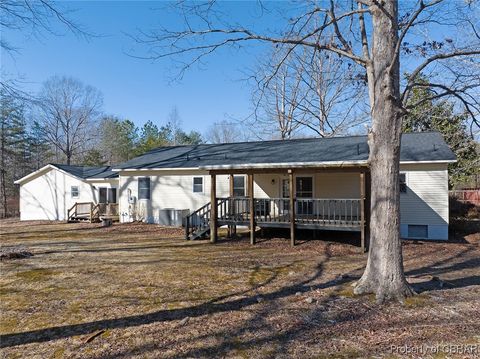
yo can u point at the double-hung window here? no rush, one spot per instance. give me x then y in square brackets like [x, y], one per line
[144, 188]
[239, 186]
[75, 191]
[197, 184]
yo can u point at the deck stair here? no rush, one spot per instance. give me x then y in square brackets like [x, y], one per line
[84, 212]
[197, 224]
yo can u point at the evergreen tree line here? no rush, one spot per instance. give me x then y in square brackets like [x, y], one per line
[64, 124]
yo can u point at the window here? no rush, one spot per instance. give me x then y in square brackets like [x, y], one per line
[417, 231]
[239, 186]
[198, 184]
[75, 191]
[107, 195]
[403, 183]
[144, 188]
[112, 195]
[102, 195]
[304, 187]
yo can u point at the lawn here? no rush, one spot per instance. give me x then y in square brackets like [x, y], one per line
[137, 290]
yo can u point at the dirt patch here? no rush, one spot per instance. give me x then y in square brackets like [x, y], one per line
[14, 253]
[139, 290]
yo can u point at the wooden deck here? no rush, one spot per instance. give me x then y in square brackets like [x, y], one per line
[91, 212]
[311, 213]
[293, 212]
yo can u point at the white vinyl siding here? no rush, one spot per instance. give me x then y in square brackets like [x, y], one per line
[426, 199]
[337, 185]
[424, 203]
[173, 189]
[50, 194]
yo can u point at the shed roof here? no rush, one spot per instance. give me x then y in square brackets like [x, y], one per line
[415, 147]
[80, 172]
[88, 172]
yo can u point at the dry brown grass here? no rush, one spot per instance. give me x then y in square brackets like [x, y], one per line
[153, 294]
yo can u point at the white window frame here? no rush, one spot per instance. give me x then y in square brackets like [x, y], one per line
[304, 176]
[193, 184]
[77, 190]
[138, 188]
[245, 184]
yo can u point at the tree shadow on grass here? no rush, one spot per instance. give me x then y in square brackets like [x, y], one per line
[259, 330]
[438, 269]
[216, 305]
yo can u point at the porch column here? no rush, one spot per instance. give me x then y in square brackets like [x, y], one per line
[292, 207]
[213, 212]
[362, 211]
[232, 228]
[252, 208]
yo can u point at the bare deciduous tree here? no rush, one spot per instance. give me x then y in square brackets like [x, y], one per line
[277, 101]
[312, 92]
[224, 132]
[37, 18]
[374, 36]
[68, 109]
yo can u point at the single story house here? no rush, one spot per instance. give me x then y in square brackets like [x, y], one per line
[50, 192]
[301, 183]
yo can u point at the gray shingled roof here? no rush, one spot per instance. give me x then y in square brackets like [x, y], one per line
[86, 172]
[421, 146]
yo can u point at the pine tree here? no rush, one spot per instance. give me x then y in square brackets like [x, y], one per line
[440, 115]
[14, 154]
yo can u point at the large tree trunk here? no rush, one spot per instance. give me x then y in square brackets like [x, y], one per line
[384, 273]
[3, 185]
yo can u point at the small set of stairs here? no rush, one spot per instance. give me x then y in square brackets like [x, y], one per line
[83, 212]
[197, 224]
[78, 219]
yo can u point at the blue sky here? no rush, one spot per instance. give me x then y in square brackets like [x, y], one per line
[143, 90]
[133, 88]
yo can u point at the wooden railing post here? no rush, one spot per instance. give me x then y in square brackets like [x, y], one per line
[213, 208]
[292, 207]
[252, 208]
[232, 229]
[187, 227]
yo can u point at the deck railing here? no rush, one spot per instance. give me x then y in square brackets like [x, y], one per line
[328, 212]
[331, 212]
[91, 211]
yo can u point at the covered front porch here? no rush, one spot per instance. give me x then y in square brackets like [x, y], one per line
[301, 202]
